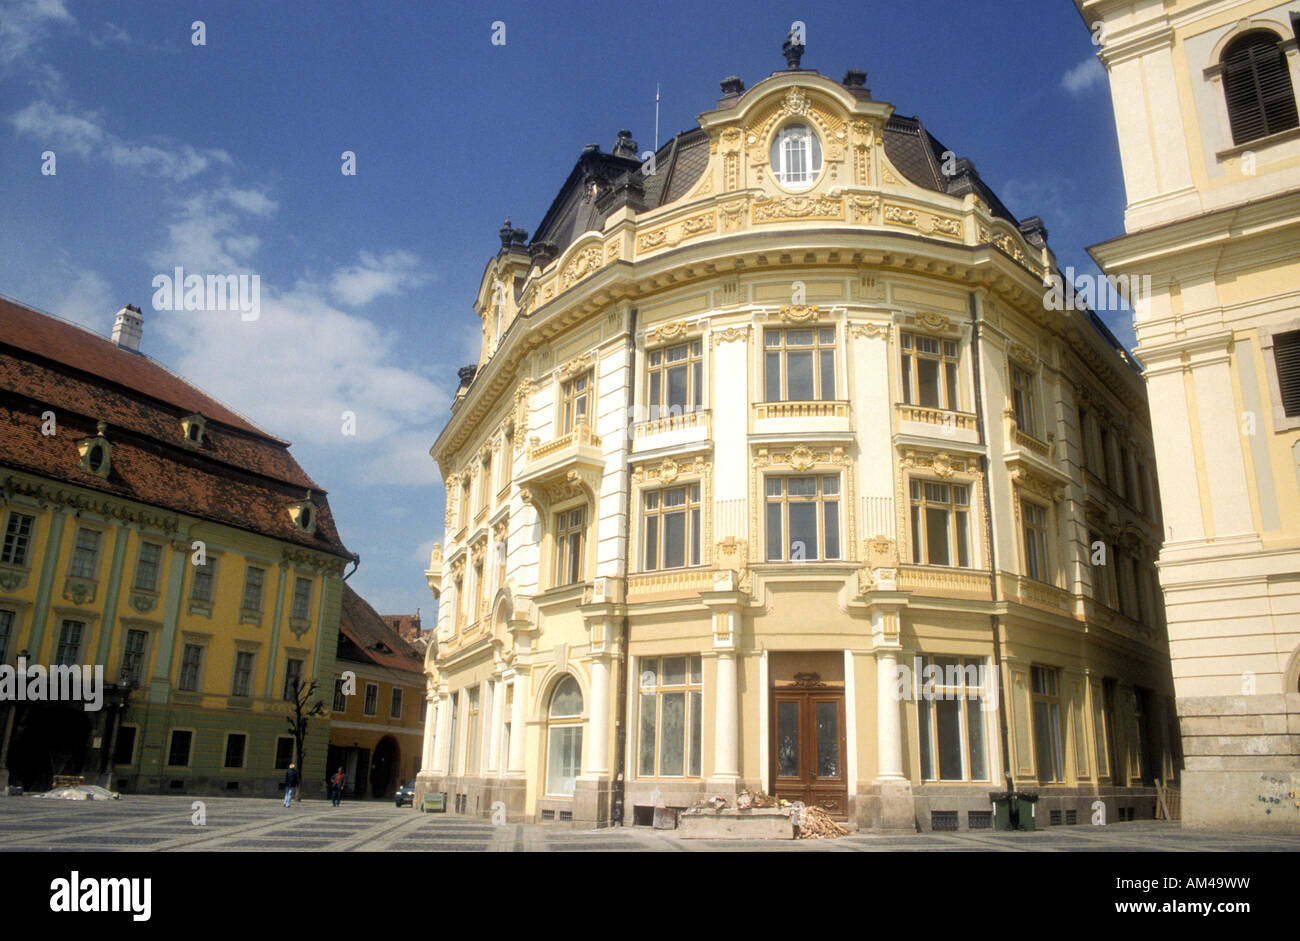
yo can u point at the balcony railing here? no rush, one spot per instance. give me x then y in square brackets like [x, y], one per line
[1033, 444]
[831, 408]
[938, 580]
[645, 585]
[936, 416]
[581, 435]
[699, 418]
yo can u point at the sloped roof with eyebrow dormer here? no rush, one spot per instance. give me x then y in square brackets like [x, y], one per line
[239, 476]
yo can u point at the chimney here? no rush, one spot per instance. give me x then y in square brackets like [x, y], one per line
[128, 328]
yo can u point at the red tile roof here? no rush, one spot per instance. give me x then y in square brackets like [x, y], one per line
[362, 630]
[239, 476]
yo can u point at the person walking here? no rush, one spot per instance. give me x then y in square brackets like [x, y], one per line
[291, 779]
[336, 786]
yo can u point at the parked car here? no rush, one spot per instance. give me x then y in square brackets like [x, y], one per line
[406, 794]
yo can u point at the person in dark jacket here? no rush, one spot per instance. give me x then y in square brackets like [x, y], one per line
[291, 779]
[336, 786]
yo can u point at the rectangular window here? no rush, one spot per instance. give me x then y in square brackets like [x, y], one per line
[301, 598]
[671, 708]
[799, 364]
[254, 581]
[235, 743]
[133, 656]
[1286, 357]
[283, 752]
[928, 369]
[459, 621]
[178, 753]
[471, 729]
[1049, 752]
[18, 539]
[69, 650]
[292, 678]
[201, 585]
[85, 554]
[146, 567]
[675, 379]
[242, 682]
[1102, 583]
[570, 526]
[950, 718]
[6, 633]
[371, 706]
[940, 523]
[1037, 566]
[340, 699]
[803, 518]
[1103, 459]
[575, 402]
[395, 707]
[191, 659]
[671, 528]
[1022, 400]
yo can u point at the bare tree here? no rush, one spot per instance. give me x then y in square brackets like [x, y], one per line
[304, 710]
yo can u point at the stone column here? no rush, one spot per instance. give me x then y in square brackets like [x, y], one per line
[440, 748]
[894, 807]
[598, 724]
[726, 603]
[515, 764]
[726, 728]
[430, 731]
[889, 720]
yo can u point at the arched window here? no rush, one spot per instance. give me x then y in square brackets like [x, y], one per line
[564, 738]
[1257, 85]
[796, 157]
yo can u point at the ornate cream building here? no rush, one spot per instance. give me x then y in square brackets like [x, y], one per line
[1206, 107]
[759, 425]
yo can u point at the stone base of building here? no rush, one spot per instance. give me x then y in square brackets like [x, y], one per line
[1243, 762]
[940, 807]
[885, 808]
[592, 801]
[1251, 801]
[204, 786]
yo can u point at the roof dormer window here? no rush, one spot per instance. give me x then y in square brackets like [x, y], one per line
[303, 514]
[194, 426]
[96, 453]
[796, 157]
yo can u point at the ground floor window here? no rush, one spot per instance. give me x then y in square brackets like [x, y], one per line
[235, 743]
[178, 754]
[564, 738]
[1049, 754]
[951, 720]
[671, 711]
[124, 747]
[283, 752]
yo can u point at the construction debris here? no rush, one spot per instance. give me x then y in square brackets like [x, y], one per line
[81, 792]
[816, 824]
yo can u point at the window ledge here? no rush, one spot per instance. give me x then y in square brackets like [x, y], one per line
[13, 578]
[250, 617]
[1278, 138]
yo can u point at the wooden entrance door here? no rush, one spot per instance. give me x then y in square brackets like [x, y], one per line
[808, 748]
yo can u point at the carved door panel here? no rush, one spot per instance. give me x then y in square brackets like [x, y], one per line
[808, 748]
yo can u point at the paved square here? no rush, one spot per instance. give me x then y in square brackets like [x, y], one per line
[139, 822]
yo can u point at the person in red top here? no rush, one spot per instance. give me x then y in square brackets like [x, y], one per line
[336, 786]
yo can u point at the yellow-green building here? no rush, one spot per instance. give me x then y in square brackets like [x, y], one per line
[151, 532]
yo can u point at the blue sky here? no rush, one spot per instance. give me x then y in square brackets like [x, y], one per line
[226, 158]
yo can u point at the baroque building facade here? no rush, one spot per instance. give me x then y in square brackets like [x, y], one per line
[764, 432]
[1206, 111]
[151, 531]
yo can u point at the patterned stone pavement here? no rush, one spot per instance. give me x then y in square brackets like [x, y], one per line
[139, 822]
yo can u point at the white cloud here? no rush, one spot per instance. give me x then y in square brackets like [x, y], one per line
[360, 284]
[85, 135]
[207, 236]
[23, 24]
[1084, 76]
[108, 34]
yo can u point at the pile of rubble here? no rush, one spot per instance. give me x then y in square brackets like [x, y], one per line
[816, 824]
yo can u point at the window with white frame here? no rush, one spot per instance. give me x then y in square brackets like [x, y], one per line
[17, 539]
[203, 580]
[1257, 87]
[254, 582]
[671, 707]
[241, 683]
[301, 599]
[146, 567]
[1034, 521]
[85, 554]
[7, 619]
[670, 526]
[1049, 749]
[951, 723]
[191, 661]
[69, 649]
[133, 654]
[796, 157]
[563, 738]
[292, 678]
[799, 364]
[1022, 400]
[802, 518]
[940, 523]
[675, 379]
[472, 731]
[371, 704]
[395, 706]
[340, 698]
[929, 372]
[575, 402]
[570, 540]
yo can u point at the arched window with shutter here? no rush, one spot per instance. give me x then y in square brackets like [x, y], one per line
[1286, 355]
[1257, 85]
